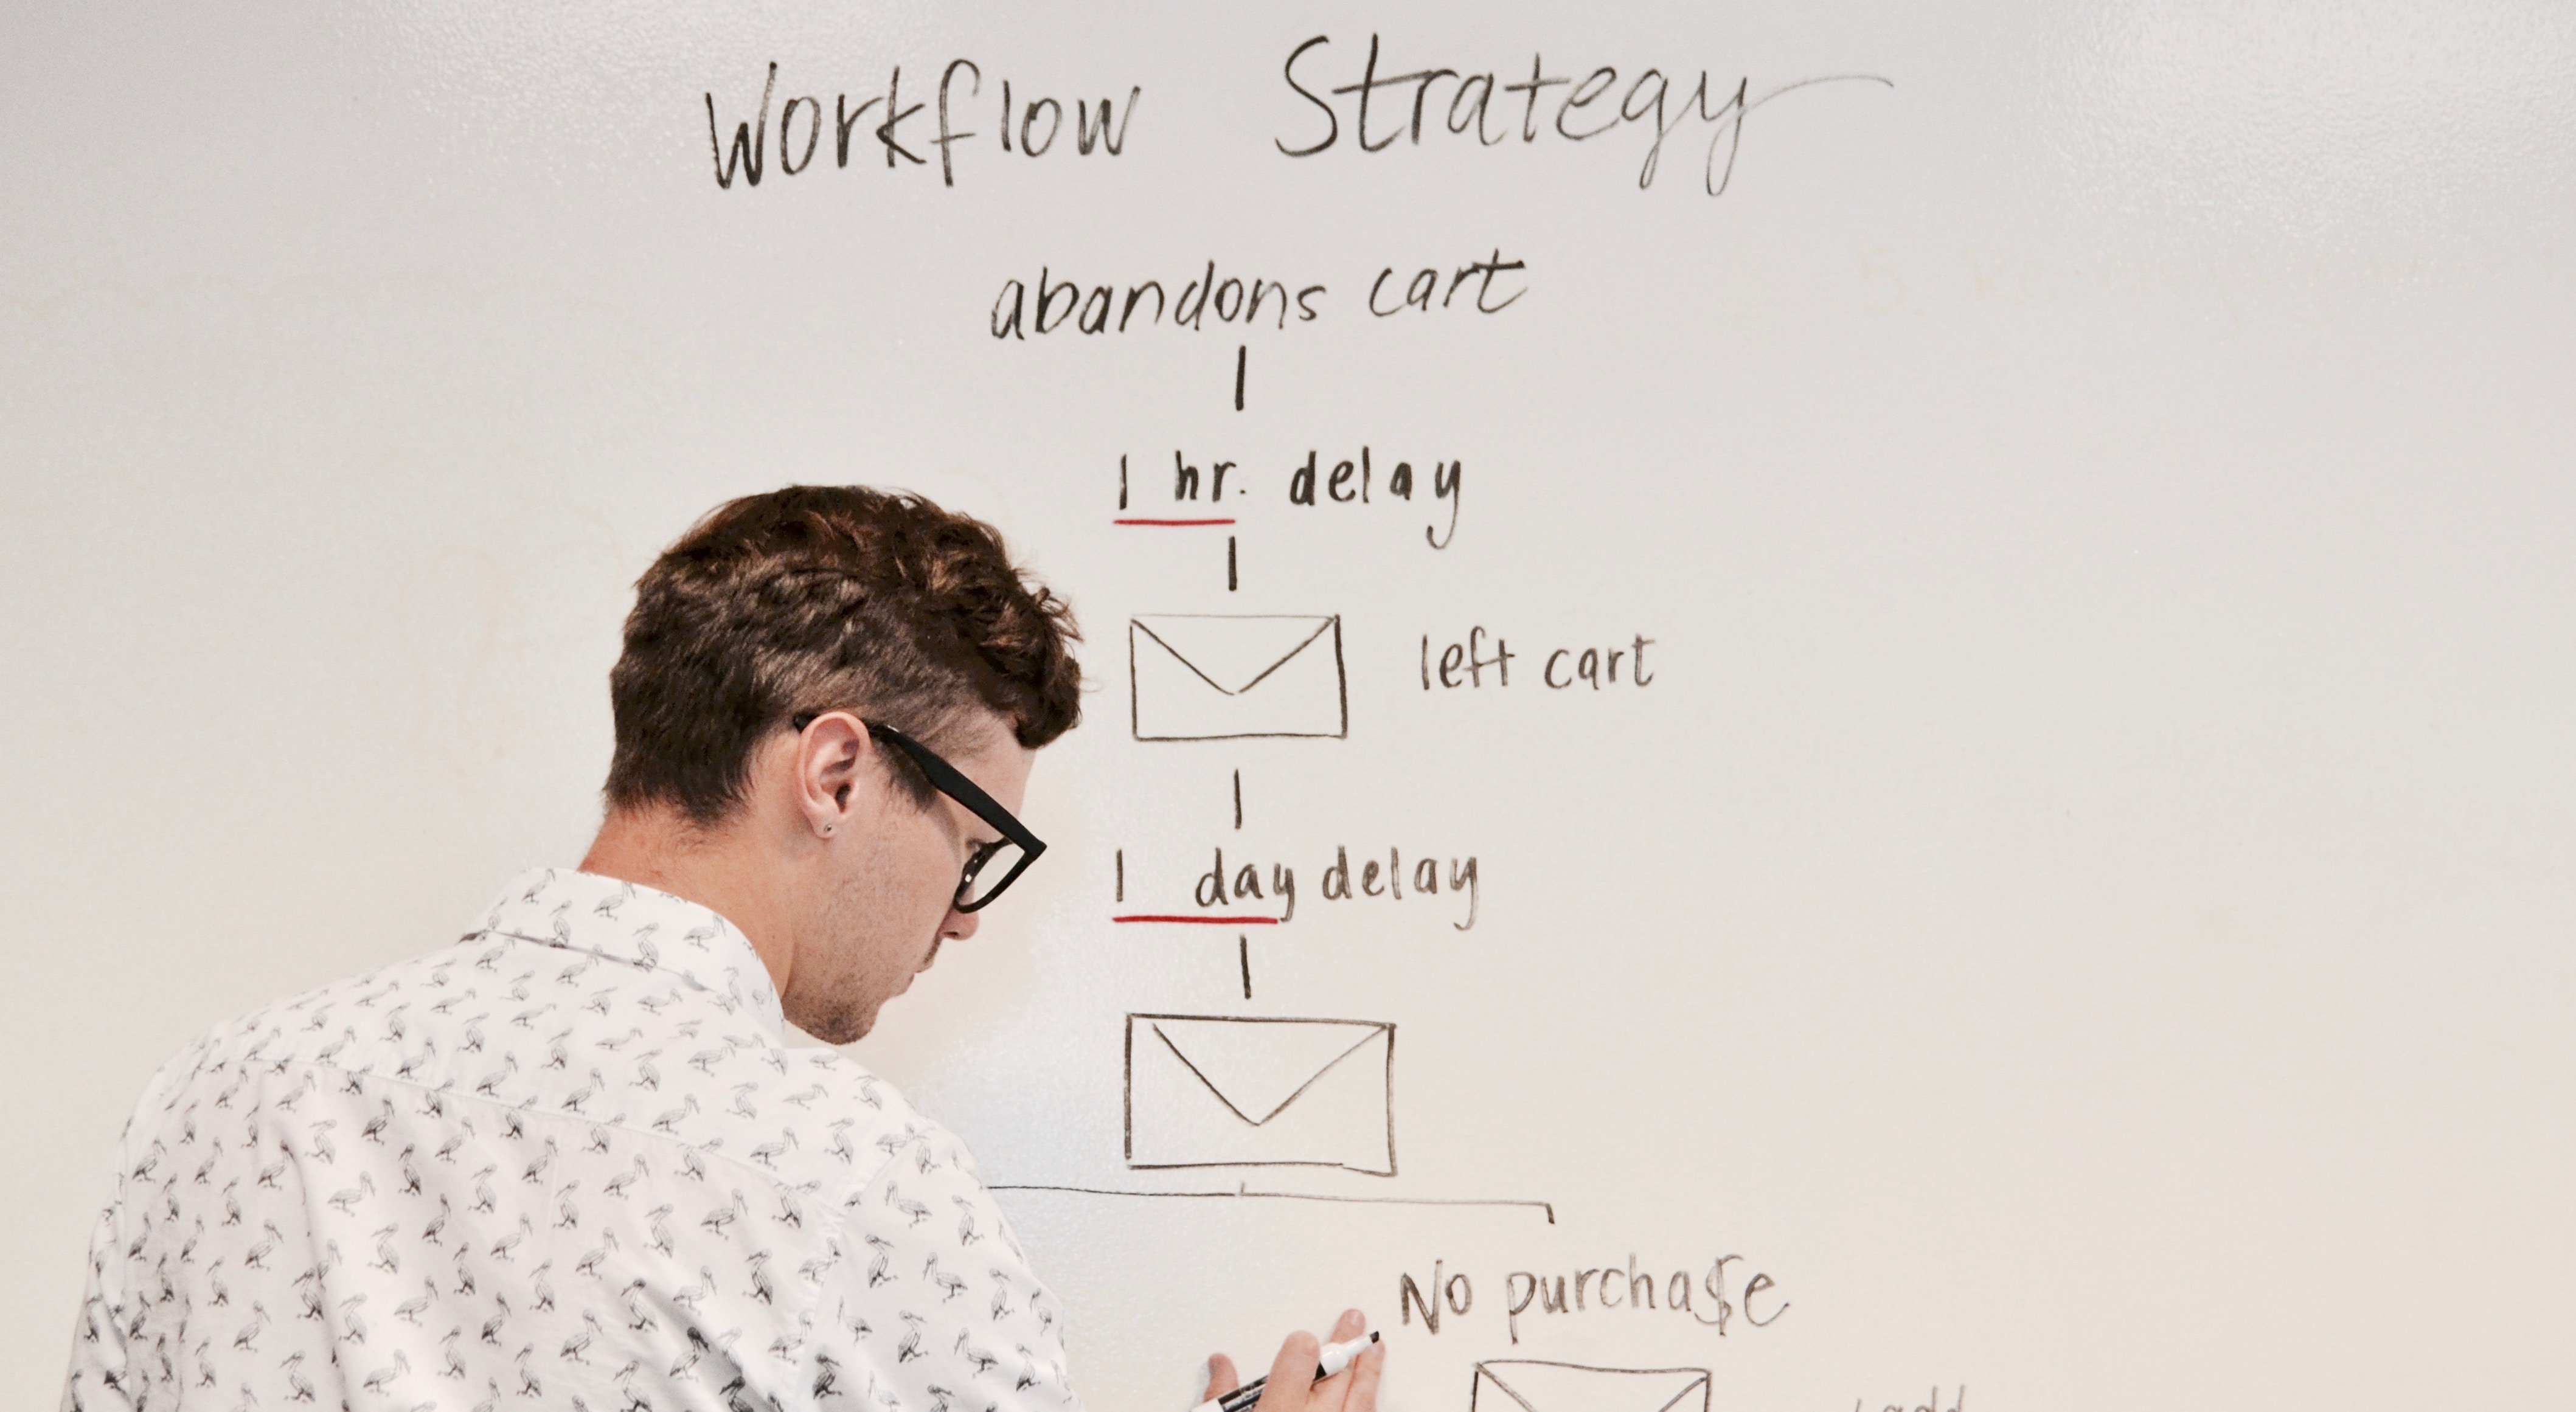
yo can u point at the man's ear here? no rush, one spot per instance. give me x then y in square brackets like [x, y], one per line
[834, 757]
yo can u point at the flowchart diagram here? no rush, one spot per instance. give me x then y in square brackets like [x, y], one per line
[1296, 1099]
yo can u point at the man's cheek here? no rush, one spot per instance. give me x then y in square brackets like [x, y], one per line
[938, 875]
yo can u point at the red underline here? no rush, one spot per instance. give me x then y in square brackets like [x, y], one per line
[1176, 523]
[1205, 921]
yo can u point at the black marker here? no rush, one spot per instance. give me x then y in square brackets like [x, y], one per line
[1337, 1356]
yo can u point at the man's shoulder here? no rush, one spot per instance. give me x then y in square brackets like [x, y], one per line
[261, 1046]
[319, 1024]
[517, 1024]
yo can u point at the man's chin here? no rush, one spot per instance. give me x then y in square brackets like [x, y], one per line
[839, 1026]
[849, 1031]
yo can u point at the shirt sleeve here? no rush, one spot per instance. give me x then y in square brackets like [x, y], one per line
[113, 1368]
[100, 1365]
[931, 1306]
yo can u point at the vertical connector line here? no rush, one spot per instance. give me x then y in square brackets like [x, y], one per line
[1231, 582]
[1243, 952]
[1241, 352]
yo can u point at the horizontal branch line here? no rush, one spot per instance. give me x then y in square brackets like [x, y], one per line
[1546, 1208]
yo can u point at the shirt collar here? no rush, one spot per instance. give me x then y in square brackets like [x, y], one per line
[641, 927]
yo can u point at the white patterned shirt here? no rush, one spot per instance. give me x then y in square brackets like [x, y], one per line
[569, 1162]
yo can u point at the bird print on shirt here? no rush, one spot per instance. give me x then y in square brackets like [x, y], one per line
[569, 1161]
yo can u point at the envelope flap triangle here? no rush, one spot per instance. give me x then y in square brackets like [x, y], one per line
[1233, 652]
[1259, 1066]
[1565, 1387]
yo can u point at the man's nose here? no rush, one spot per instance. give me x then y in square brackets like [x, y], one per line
[960, 925]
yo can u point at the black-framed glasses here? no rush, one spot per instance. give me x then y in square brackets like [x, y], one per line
[995, 864]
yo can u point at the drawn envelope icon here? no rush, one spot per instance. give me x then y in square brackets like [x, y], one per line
[1231, 677]
[1530, 1385]
[1226, 1091]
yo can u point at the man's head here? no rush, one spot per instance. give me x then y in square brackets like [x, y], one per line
[842, 607]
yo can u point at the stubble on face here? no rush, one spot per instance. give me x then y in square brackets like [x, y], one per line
[872, 934]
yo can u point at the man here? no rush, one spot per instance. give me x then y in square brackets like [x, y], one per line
[571, 1161]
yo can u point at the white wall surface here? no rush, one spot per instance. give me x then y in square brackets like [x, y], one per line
[2082, 905]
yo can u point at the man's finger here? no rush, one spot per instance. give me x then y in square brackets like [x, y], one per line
[1331, 1393]
[1222, 1378]
[1362, 1396]
[1291, 1374]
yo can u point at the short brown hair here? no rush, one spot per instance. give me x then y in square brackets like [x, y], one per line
[818, 598]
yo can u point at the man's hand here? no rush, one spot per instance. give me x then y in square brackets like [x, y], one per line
[1292, 1386]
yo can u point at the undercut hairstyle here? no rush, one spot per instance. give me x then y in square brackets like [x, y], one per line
[825, 598]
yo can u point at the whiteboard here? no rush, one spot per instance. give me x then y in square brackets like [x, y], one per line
[2019, 854]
